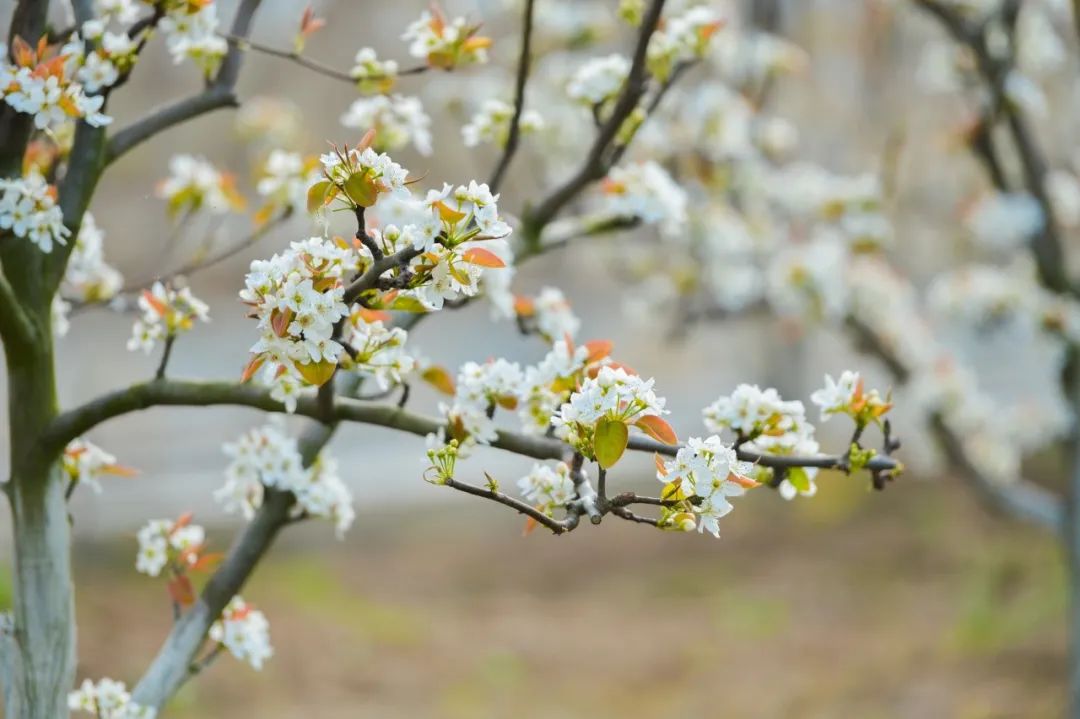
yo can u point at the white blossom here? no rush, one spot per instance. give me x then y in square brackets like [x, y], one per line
[244, 632]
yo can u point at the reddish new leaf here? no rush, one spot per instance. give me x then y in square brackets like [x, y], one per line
[657, 428]
[482, 257]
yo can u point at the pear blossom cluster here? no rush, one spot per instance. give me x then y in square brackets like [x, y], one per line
[88, 277]
[167, 543]
[846, 395]
[443, 43]
[479, 390]
[549, 384]
[645, 191]
[194, 183]
[398, 121]
[284, 179]
[297, 296]
[378, 350]
[551, 313]
[682, 39]
[372, 74]
[599, 80]
[244, 632]
[85, 463]
[191, 33]
[491, 124]
[268, 457]
[548, 488]
[43, 83]
[614, 395]
[28, 209]
[107, 699]
[166, 312]
[701, 478]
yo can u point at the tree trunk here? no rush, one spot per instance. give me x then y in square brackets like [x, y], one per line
[40, 669]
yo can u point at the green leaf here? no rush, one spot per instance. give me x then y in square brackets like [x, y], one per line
[609, 442]
[361, 189]
[407, 303]
[317, 194]
[799, 479]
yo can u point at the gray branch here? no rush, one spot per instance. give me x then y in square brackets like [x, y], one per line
[218, 94]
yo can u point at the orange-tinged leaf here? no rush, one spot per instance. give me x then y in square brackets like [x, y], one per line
[742, 480]
[253, 366]
[439, 378]
[370, 316]
[181, 590]
[183, 520]
[279, 321]
[362, 189]
[22, 53]
[316, 373]
[206, 562]
[530, 525]
[120, 470]
[367, 140]
[263, 215]
[482, 257]
[609, 441]
[598, 349]
[524, 306]
[661, 469]
[160, 307]
[477, 42]
[657, 428]
[449, 214]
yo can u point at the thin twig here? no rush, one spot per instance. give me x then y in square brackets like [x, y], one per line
[556, 526]
[314, 65]
[514, 134]
[169, 340]
[596, 164]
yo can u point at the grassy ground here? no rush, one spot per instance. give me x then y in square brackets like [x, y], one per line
[909, 603]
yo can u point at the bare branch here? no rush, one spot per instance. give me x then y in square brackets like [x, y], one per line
[1021, 499]
[219, 93]
[514, 134]
[314, 65]
[556, 526]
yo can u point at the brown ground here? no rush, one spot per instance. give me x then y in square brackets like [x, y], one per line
[910, 603]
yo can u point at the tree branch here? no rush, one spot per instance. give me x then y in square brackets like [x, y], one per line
[556, 526]
[171, 667]
[1021, 499]
[76, 422]
[16, 328]
[596, 165]
[219, 93]
[514, 135]
[1046, 246]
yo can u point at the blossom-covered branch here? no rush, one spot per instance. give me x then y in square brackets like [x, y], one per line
[177, 393]
[595, 165]
[1002, 79]
[217, 94]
